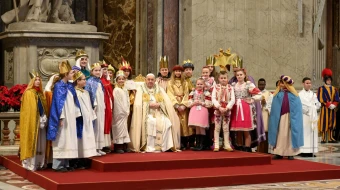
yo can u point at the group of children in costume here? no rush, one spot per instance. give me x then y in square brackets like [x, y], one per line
[82, 112]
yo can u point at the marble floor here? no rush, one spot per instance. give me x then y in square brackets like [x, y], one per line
[328, 153]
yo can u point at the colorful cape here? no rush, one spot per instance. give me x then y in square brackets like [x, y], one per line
[58, 101]
[296, 120]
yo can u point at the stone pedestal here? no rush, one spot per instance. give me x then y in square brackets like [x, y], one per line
[42, 46]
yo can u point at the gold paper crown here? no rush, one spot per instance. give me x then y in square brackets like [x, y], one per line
[64, 67]
[94, 65]
[33, 74]
[163, 62]
[120, 73]
[103, 63]
[187, 62]
[81, 53]
[77, 75]
[124, 64]
[110, 68]
[227, 59]
[210, 60]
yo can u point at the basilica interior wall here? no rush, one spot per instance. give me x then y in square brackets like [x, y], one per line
[263, 32]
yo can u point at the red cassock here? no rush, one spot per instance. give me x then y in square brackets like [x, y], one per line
[108, 94]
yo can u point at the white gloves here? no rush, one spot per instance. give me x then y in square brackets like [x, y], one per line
[43, 121]
[332, 106]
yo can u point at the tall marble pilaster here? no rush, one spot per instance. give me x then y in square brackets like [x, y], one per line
[151, 40]
[170, 31]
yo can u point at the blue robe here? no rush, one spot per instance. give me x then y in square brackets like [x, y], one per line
[58, 100]
[91, 86]
[296, 119]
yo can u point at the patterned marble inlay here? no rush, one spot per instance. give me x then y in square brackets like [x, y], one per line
[120, 22]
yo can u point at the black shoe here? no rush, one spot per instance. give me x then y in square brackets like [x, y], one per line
[61, 170]
[332, 141]
[199, 143]
[198, 139]
[119, 151]
[184, 143]
[192, 141]
[277, 157]
[106, 149]
[70, 169]
[126, 149]
[323, 142]
[236, 147]
[290, 157]
[247, 149]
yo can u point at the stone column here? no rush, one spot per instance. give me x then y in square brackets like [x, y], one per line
[170, 31]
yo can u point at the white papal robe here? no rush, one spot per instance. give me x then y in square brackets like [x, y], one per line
[154, 129]
[310, 104]
[121, 112]
[87, 144]
[66, 143]
[99, 123]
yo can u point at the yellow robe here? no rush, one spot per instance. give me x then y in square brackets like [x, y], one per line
[179, 95]
[190, 85]
[29, 122]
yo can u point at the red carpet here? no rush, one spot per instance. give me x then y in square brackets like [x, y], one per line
[182, 160]
[164, 177]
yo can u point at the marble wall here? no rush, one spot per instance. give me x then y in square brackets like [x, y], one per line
[120, 23]
[263, 32]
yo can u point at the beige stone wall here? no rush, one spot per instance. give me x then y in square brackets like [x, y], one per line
[264, 32]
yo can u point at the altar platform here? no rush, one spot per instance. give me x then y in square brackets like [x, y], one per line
[187, 169]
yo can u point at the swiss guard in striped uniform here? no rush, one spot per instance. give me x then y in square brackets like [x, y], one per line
[328, 96]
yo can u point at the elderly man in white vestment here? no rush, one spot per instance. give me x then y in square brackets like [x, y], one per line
[155, 126]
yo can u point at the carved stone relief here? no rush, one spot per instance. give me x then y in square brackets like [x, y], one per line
[9, 66]
[49, 59]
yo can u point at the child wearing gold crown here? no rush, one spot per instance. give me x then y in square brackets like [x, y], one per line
[178, 93]
[65, 123]
[87, 144]
[164, 74]
[129, 85]
[189, 67]
[199, 102]
[82, 62]
[33, 118]
[108, 99]
[96, 90]
[285, 131]
[121, 111]
[223, 98]
[111, 72]
[328, 96]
